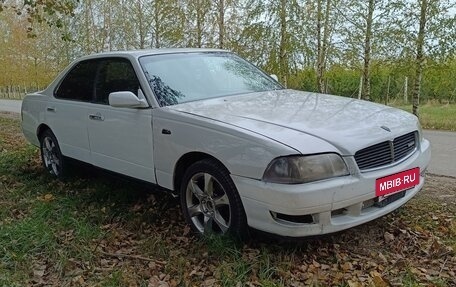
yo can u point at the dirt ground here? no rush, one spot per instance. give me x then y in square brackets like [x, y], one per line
[9, 115]
[96, 229]
[440, 187]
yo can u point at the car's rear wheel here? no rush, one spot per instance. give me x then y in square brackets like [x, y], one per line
[52, 157]
[210, 201]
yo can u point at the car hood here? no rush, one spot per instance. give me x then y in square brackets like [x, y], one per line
[344, 123]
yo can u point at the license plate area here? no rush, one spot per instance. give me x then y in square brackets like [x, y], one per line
[384, 200]
[391, 184]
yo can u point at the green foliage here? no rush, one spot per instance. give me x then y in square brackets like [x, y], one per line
[50, 12]
[304, 79]
[42, 37]
[343, 82]
[438, 81]
[435, 116]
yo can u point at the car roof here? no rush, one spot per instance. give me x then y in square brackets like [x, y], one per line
[146, 52]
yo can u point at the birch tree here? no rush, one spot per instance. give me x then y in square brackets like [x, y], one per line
[419, 62]
[227, 27]
[220, 4]
[323, 31]
[197, 22]
[367, 51]
[366, 36]
[270, 35]
[318, 45]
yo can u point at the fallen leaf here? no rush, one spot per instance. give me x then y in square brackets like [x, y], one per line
[354, 284]
[382, 257]
[325, 267]
[174, 283]
[388, 237]
[347, 266]
[209, 282]
[38, 273]
[46, 198]
[379, 282]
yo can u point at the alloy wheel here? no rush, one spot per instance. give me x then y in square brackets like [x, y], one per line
[208, 204]
[51, 156]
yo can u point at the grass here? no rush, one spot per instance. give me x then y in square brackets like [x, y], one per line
[96, 229]
[435, 116]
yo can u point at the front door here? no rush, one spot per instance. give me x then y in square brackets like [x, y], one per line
[120, 138]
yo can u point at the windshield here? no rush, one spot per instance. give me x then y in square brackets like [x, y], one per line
[186, 77]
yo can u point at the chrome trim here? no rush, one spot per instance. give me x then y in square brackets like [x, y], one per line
[391, 164]
[392, 153]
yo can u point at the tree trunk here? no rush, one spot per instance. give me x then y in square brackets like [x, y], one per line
[388, 90]
[325, 44]
[406, 90]
[110, 28]
[283, 53]
[360, 90]
[157, 23]
[142, 36]
[199, 23]
[87, 40]
[367, 51]
[319, 50]
[94, 39]
[419, 62]
[221, 23]
[322, 43]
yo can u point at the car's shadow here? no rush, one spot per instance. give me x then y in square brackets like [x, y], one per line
[156, 207]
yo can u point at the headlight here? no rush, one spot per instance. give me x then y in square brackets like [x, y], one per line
[301, 169]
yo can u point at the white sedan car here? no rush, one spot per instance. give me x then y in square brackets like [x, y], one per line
[237, 147]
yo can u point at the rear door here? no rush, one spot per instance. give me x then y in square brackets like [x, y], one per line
[66, 114]
[120, 138]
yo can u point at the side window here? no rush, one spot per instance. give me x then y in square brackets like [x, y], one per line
[116, 75]
[78, 83]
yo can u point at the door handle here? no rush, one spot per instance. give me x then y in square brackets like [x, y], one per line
[96, 117]
[50, 109]
[166, 132]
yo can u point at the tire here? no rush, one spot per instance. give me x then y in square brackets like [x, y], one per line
[51, 156]
[210, 201]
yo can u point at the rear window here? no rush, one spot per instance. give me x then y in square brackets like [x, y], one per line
[78, 84]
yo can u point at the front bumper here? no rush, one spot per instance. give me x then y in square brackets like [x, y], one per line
[333, 205]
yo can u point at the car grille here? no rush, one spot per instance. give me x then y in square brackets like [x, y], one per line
[386, 153]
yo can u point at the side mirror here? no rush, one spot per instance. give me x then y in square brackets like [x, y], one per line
[275, 77]
[126, 100]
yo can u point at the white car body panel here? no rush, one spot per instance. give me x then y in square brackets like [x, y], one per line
[33, 115]
[323, 197]
[122, 140]
[68, 120]
[242, 152]
[347, 124]
[245, 133]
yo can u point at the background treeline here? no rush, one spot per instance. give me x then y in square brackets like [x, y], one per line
[375, 49]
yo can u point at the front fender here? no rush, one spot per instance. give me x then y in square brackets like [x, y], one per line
[242, 152]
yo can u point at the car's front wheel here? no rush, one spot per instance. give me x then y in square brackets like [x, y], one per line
[52, 157]
[210, 201]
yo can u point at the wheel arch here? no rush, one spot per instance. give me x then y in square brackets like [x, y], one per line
[41, 128]
[185, 161]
